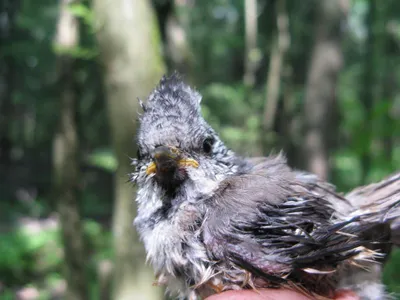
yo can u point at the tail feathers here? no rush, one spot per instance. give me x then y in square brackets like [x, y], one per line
[379, 202]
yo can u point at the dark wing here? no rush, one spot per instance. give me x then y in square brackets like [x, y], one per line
[380, 193]
[380, 196]
[272, 224]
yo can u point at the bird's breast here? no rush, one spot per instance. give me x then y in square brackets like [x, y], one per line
[173, 246]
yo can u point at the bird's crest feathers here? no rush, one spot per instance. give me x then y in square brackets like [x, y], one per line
[173, 91]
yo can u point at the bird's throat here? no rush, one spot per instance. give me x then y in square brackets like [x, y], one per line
[171, 180]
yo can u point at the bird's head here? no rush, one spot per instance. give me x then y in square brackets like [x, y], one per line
[177, 149]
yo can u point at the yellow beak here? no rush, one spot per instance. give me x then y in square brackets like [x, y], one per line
[187, 162]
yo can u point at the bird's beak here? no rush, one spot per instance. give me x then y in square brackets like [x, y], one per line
[168, 158]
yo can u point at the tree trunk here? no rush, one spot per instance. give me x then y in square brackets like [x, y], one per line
[251, 58]
[279, 49]
[65, 158]
[367, 89]
[290, 120]
[174, 19]
[389, 86]
[130, 51]
[8, 10]
[320, 96]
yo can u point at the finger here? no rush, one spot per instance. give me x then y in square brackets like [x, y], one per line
[264, 294]
[346, 295]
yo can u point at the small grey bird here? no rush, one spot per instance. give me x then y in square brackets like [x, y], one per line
[212, 221]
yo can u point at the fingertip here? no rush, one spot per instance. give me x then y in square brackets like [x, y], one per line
[264, 294]
[346, 295]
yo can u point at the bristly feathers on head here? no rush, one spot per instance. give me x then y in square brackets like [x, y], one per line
[172, 99]
[168, 94]
[172, 116]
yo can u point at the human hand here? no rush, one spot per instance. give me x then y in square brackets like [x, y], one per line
[274, 294]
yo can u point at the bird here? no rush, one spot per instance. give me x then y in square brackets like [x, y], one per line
[212, 220]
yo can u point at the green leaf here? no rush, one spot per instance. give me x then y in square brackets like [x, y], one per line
[82, 11]
[75, 52]
[104, 159]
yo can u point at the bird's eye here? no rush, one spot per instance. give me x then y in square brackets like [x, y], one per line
[208, 144]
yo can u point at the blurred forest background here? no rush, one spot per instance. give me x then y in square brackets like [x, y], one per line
[317, 78]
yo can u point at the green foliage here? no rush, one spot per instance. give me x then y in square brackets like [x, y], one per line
[37, 257]
[348, 169]
[82, 11]
[234, 113]
[76, 52]
[99, 240]
[24, 254]
[391, 276]
[103, 158]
